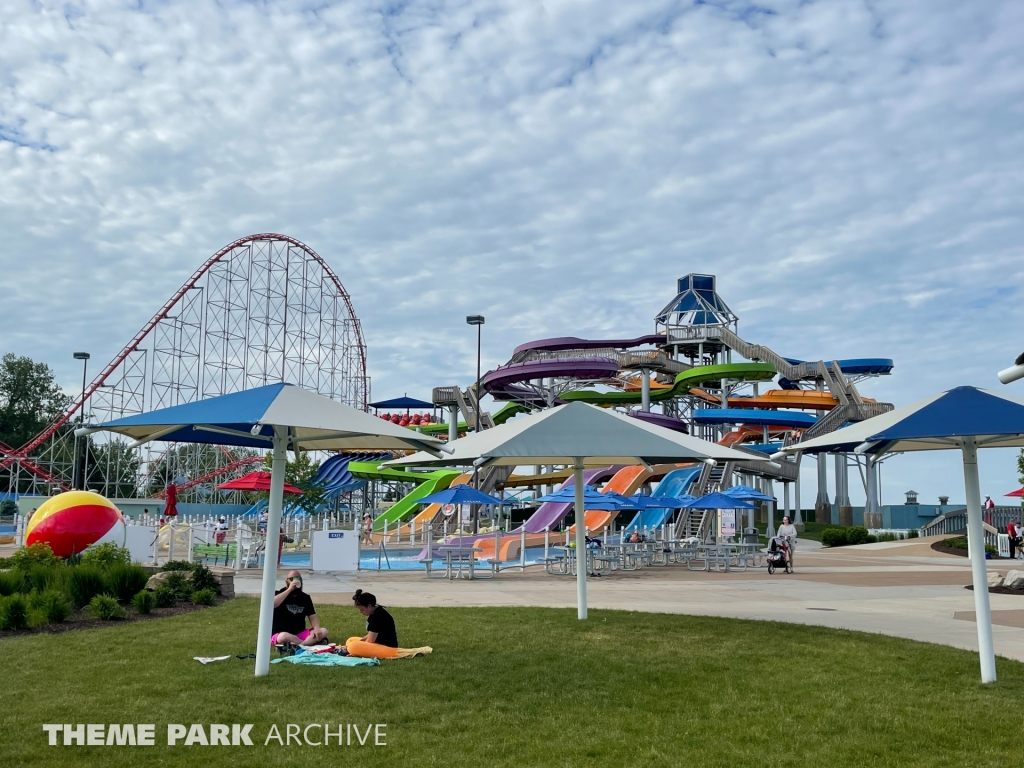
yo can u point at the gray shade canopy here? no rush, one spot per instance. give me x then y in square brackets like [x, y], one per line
[573, 432]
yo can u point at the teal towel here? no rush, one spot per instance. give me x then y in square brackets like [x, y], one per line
[328, 660]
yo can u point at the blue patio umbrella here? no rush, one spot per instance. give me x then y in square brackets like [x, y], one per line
[592, 498]
[963, 419]
[461, 494]
[275, 417]
[747, 493]
[719, 501]
[644, 520]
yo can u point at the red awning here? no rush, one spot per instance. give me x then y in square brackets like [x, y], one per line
[255, 481]
[1018, 492]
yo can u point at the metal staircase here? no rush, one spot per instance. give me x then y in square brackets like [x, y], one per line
[695, 522]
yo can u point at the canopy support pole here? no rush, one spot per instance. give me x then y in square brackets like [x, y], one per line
[581, 541]
[280, 444]
[976, 540]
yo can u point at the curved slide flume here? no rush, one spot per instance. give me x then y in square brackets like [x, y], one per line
[673, 485]
[705, 374]
[427, 483]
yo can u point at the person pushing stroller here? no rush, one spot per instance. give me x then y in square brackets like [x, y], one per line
[780, 548]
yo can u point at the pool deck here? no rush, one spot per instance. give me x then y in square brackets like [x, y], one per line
[904, 589]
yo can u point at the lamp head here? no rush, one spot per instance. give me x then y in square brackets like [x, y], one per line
[81, 355]
[475, 319]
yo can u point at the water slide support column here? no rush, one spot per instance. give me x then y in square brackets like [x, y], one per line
[843, 508]
[645, 390]
[872, 512]
[453, 423]
[798, 518]
[822, 506]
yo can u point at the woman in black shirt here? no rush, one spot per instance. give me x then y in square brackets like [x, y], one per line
[381, 638]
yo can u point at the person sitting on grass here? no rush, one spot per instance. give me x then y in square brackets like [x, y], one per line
[291, 607]
[381, 638]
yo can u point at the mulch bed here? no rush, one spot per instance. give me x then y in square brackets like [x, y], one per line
[999, 590]
[82, 620]
[938, 547]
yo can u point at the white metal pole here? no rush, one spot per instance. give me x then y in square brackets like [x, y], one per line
[797, 517]
[645, 390]
[522, 549]
[453, 423]
[976, 534]
[280, 445]
[581, 542]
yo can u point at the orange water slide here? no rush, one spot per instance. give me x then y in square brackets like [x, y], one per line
[625, 482]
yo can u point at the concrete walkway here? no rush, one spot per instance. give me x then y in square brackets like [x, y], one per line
[903, 589]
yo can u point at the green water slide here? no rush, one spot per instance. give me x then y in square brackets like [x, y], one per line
[503, 414]
[427, 483]
[695, 377]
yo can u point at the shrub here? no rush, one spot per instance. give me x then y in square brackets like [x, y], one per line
[106, 555]
[858, 534]
[204, 597]
[84, 583]
[203, 578]
[960, 542]
[54, 606]
[105, 607]
[37, 554]
[144, 601]
[913, 533]
[42, 577]
[125, 581]
[14, 613]
[178, 565]
[164, 597]
[178, 584]
[834, 537]
[872, 538]
[11, 582]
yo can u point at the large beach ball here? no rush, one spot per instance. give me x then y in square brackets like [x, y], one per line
[72, 521]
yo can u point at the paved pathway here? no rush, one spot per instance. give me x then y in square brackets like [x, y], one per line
[904, 589]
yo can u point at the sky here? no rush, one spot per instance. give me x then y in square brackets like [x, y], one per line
[851, 171]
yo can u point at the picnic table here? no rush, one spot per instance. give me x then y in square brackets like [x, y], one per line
[458, 560]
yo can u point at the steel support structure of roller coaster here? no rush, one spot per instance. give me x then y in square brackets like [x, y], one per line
[263, 309]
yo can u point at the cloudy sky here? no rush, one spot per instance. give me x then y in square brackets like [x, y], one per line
[851, 171]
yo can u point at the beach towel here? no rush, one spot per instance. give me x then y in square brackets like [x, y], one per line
[359, 647]
[327, 660]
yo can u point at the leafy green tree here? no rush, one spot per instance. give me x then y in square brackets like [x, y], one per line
[30, 399]
[1020, 470]
[113, 468]
[301, 472]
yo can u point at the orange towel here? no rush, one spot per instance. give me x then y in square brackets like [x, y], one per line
[360, 648]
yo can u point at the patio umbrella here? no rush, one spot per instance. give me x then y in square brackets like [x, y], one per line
[256, 481]
[747, 493]
[581, 435]
[1018, 493]
[461, 494]
[643, 503]
[719, 501]
[592, 498]
[964, 419]
[278, 417]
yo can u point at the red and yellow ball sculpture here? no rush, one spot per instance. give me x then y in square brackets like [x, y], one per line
[72, 521]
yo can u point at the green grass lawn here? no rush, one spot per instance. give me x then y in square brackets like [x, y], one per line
[523, 687]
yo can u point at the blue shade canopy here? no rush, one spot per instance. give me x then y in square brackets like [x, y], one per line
[248, 418]
[461, 494]
[402, 402]
[720, 501]
[939, 422]
[747, 493]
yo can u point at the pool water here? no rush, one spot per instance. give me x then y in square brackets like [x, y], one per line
[404, 560]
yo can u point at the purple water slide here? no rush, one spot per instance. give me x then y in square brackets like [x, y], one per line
[501, 382]
[661, 420]
[572, 342]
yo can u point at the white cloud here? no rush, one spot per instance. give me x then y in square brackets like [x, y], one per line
[850, 170]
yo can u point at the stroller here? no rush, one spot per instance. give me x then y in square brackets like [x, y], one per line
[778, 549]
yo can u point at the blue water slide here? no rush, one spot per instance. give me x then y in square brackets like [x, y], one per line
[335, 477]
[674, 484]
[754, 418]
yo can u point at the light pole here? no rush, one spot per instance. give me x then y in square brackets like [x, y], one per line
[478, 321]
[78, 475]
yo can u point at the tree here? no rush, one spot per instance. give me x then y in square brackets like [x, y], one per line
[113, 468]
[301, 472]
[1020, 471]
[29, 399]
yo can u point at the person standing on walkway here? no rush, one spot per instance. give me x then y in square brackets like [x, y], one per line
[788, 532]
[367, 529]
